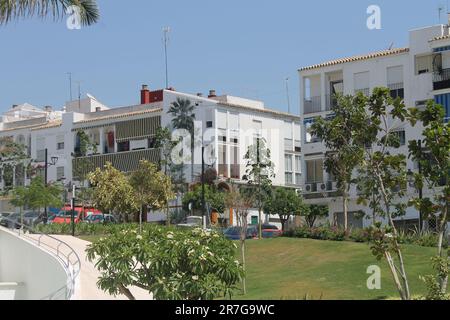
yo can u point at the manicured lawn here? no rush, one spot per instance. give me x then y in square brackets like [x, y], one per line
[287, 268]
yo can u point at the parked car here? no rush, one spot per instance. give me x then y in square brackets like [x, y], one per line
[65, 214]
[11, 222]
[101, 218]
[4, 215]
[32, 218]
[234, 233]
[192, 222]
[270, 231]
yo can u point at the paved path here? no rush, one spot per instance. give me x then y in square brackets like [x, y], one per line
[86, 287]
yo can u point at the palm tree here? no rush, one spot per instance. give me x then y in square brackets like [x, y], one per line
[14, 9]
[183, 115]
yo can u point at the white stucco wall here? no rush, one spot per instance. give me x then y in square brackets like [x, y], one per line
[37, 271]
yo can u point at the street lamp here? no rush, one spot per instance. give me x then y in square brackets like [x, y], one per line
[52, 162]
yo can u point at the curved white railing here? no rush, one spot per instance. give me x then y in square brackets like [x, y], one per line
[59, 249]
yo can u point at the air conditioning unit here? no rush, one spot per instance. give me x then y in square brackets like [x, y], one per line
[321, 186]
[312, 187]
[334, 186]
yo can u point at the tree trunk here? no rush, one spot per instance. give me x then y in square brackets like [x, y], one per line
[244, 285]
[126, 292]
[345, 208]
[443, 281]
[260, 223]
[403, 290]
[140, 220]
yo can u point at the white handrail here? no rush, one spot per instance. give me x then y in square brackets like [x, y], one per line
[70, 260]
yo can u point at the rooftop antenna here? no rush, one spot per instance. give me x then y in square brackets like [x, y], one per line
[166, 31]
[70, 84]
[287, 95]
[391, 46]
[79, 95]
[440, 9]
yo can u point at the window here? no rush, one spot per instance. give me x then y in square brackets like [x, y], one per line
[424, 64]
[209, 124]
[288, 145]
[298, 170]
[288, 169]
[444, 100]
[40, 147]
[362, 82]
[401, 135]
[223, 164]
[123, 146]
[395, 82]
[235, 167]
[314, 171]
[60, 146]
[309, 138]
[59, 173]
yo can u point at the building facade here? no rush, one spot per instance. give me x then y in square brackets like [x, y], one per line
[225, 125]
[416, 74]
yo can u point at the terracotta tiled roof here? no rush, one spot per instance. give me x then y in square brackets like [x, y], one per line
[21, 128]
[269, 111]
[440, 38]
[122, 115]
[373, 55]
[52, 124]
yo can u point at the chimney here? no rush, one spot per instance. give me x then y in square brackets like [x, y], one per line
[199, 94]
[212, 94]
[48, 108]
[15, 106]
[145, 94]
[98, 109]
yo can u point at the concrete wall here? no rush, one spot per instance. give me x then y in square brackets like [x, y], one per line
[39, 273]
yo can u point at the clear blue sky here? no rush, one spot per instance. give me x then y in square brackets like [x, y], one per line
[238, 47]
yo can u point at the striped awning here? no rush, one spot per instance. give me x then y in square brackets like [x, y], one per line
[123, 161]
[137, 129]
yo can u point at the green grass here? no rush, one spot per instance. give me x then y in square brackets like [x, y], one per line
[287, 268]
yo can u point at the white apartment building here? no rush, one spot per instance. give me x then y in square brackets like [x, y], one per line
[125, 135]
[418, 73]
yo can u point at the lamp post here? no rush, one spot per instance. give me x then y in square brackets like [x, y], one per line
[53, 162]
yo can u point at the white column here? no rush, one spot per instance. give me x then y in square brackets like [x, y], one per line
[102, 141]
[323, 90]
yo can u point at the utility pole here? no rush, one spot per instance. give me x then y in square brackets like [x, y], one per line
[74, 188]
[46, 184]
[420, 190]
[166, 31]
[203, 186]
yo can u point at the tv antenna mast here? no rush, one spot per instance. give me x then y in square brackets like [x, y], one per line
[440, 9]
[70, 84]
[287, 95]
[166, 31]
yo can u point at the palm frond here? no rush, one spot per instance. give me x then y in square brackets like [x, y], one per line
[15, 9]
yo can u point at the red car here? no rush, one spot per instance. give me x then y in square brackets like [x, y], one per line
[270, 231]
[65, 214]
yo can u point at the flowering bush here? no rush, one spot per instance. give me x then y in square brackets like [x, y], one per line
[172, 264]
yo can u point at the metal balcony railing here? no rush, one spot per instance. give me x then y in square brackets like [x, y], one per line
[312, 105]
[57, 248]
[441, 79]
[331, 102]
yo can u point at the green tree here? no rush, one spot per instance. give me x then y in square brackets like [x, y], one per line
[433, 153]
[382, 175]
[342, 135]
[259, 173]
[285, 203]
[241, 202]
[170, 264]
[15, 9]
[12, 155]
[183, 117]
[37, 195]
[313, 212]
[112, 191]
[214, 197]
[152, 188]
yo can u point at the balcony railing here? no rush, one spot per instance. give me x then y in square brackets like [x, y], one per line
[312, 105]
[441, 79]
[123, 161]
[365, 91]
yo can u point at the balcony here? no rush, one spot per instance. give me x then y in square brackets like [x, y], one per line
[331, 102]
[312, 105]
[123, 161]
[441, 79]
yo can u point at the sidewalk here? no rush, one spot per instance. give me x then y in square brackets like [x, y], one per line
[86, 288]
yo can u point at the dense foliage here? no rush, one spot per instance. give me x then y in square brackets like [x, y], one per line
[172, 264]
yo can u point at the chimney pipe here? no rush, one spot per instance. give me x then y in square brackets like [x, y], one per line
[199, 94]
[48, 108]
[145, 94]
[212, 94]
